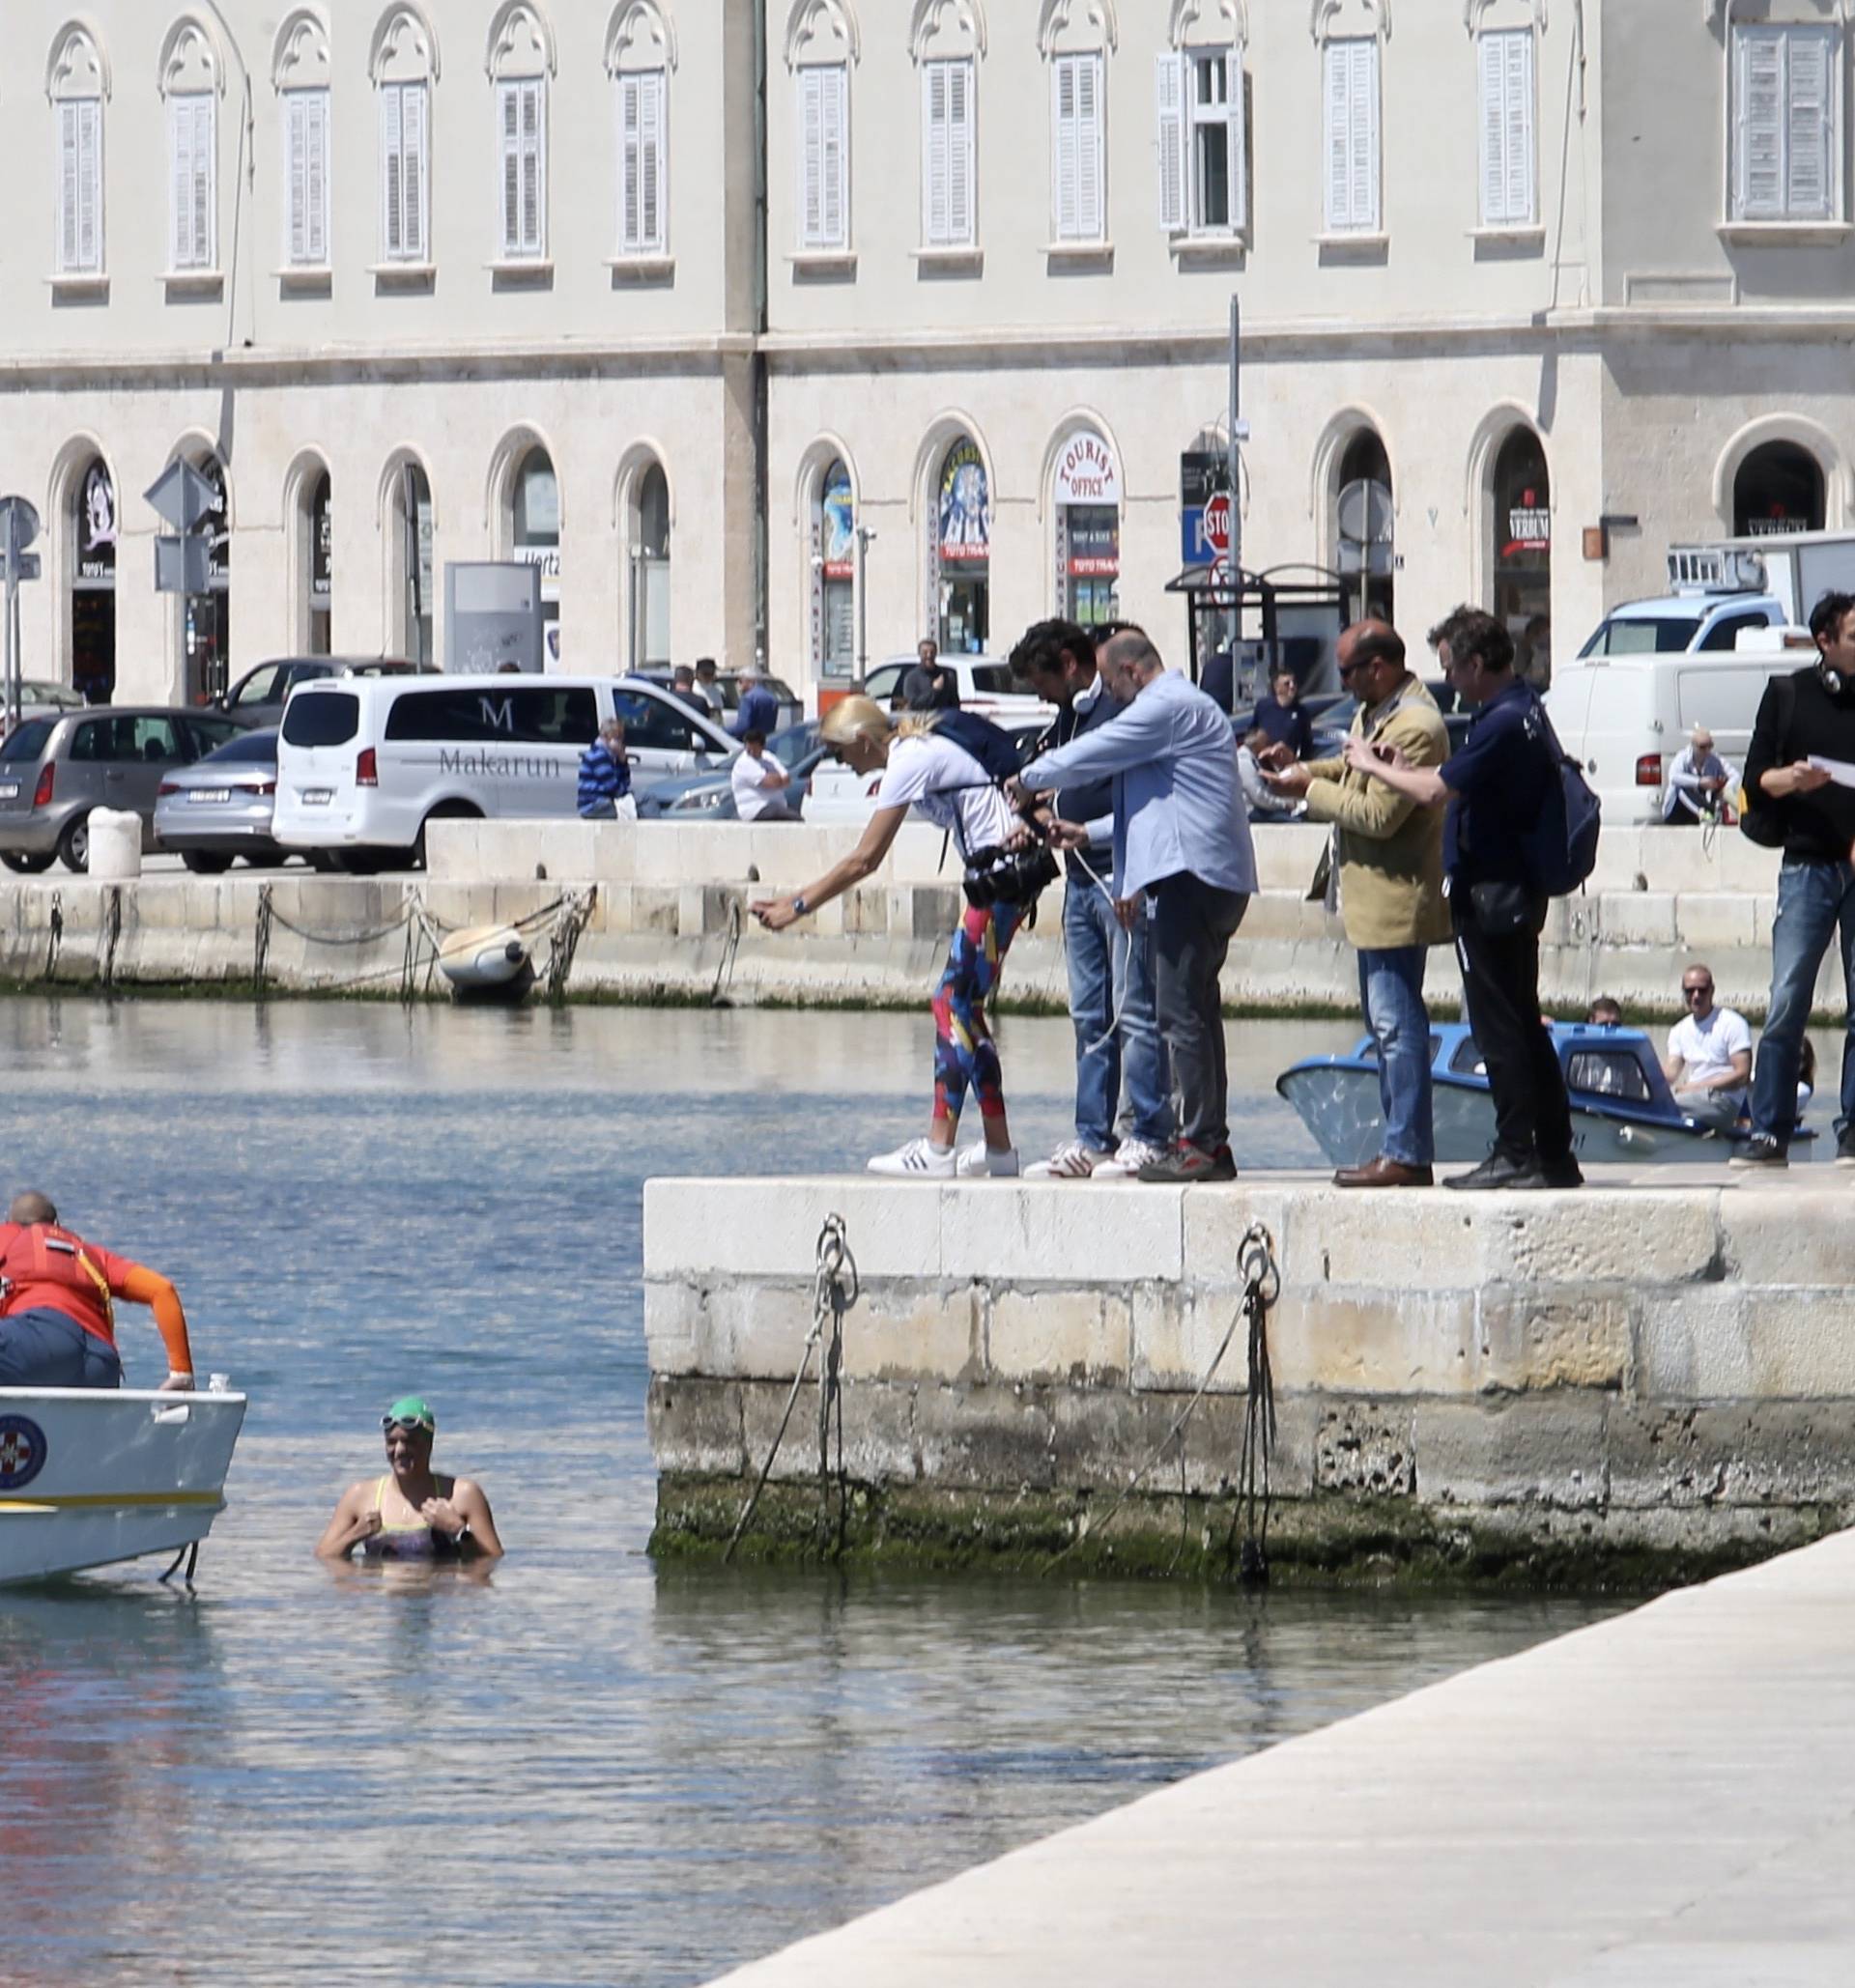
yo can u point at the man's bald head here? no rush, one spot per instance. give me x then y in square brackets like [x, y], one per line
[31, 1208]
[1129, 662]
[1371, 660]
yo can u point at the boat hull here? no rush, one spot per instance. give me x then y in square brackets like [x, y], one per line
[91, 1476]
[1339, 1105]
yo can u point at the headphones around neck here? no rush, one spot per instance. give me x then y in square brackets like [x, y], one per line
[1834, 681]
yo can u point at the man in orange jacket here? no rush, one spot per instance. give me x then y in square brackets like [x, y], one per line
[57, 1323]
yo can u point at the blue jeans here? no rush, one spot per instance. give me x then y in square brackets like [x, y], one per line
[1391, 995]
[1106, 966]
[44, 1349]
[1815, 902]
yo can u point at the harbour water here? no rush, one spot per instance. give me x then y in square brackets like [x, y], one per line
[580, 1770]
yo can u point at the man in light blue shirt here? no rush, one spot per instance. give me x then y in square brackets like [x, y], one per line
[1182, 836]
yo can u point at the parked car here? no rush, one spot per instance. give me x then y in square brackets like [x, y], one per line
[985, 686]
[363, 763]
[55, 769]
[727, 686]
[223, 807]
[710, 796]
[1653, 671]
[40, 695]
[258, 696]
[839, 795]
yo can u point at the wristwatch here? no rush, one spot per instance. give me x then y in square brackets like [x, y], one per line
[799, 906]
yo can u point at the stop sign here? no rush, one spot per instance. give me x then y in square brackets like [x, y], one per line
[1218, 525]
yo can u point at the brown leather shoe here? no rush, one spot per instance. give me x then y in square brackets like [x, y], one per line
[1384, 1173]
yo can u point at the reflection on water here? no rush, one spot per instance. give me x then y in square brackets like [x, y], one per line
[580, 1770]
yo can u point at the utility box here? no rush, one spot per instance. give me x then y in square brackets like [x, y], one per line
[492, 617]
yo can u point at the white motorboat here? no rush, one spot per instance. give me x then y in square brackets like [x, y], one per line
[90, 1476]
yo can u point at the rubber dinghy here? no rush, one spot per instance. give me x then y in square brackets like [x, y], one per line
[91, 1476]
[1622, 1108]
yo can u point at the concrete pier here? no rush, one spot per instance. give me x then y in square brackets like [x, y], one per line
[667, 907]
[1646, 1380]
[1658, 1801]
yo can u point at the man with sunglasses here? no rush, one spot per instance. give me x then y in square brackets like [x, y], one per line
[1388, 854]
[1709, 1059]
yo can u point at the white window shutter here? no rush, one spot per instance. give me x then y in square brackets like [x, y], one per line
[296, 176]
[179, 174]
[69, 193]
[509, 135]
[629, 111]
[961, 153]
[1065, 136]
[1338, 148]
[206, 181]
[1362, 111]
[654, 159]
[1091, 161]
[535, 168]
[393, 175]
[89, 185]
[414, 173]
[936, 157]
[810, 159]
[1491, 125]
[1760, 167]
[1169, 98]
[316, 178]
[1239, 144]
[836, 132]
[1810, 122]
[1523, 168]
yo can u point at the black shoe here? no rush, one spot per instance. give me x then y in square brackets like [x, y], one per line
[1761, 1149]
[1561, 1173]
[1498, 1171]
[1845, 1147]
[1186, 1165]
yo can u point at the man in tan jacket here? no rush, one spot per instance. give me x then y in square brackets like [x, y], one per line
[1390, 856]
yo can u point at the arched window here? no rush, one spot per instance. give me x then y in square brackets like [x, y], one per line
[1203, 112]
[191, 80]
[534, 535]
[93, 582]
[960, 549]
[301, 70]
[640, 50]
[833, 548]
[1076, 37]
[1350, 33]
[647, 521]
[1521, 557]
[1779, 489]
[520, 60]
[1086, 500]
[78, 81]
[1363, 526]
[404, 67]
[410, 617]
[821, 46]
[312, 559]
[947, 38]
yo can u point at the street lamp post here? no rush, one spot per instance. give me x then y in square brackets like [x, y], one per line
[865, 538]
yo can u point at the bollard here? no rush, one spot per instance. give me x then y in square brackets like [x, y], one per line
[114, 844]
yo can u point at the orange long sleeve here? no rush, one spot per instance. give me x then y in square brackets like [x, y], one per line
[150, 1288]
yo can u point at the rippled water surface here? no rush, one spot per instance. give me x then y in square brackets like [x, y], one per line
[582, 1769]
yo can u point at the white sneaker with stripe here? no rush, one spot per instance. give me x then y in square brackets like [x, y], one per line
[1071, 1162]
[918, 1160]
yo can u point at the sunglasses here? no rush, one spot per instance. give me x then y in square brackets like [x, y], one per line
[405, 1426]
[1691, 992]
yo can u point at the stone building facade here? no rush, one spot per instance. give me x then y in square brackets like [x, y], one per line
[808, 325]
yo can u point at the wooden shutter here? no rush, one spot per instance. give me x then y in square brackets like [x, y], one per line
[179, 171]
[936, 157]
[1810, 124]
[1169, 97]
[414, 173]
[962, 153]
[1508, 174]
[392, 176]
[1237, 150]
[1760, 124]
[837, 155]
[1077, 163]
[305, 127]
[535, 168]
[509, 122]
[1352, 135]
[642, 172]
[193, 177]
[68, 192]
[655, 156]
[89, 184]
[1091, 217]
[824, 191]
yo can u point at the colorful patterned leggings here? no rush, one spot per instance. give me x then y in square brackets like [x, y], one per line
[965, 1055]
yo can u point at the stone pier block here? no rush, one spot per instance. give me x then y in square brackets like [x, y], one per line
[1368, 1448]
[1520, 1450]
[1769, 1236]
[993, 1436]
[1639, 918]
[913, 1331]
[1114, 1233]
[696, 1427]
[1716, 920]
[1054, 1334]
[1570, 1336]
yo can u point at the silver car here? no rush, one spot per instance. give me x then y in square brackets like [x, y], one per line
[221, 806]
[55, 769]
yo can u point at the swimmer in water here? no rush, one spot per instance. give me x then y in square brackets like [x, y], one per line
[412, 1513]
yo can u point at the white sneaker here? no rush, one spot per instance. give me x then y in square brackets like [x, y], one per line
[1071, 1162]
[1128, 1159]
[972, 1161]
[918, 1160]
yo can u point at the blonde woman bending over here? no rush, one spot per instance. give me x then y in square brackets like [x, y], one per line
[924, 764]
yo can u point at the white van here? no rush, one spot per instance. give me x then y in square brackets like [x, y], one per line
[363, 763]
[1625, 708]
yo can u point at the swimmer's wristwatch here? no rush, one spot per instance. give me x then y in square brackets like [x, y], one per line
[799, 906]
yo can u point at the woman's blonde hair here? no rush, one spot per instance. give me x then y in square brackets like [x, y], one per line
[862, 717]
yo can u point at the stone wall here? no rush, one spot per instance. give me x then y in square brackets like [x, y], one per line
[1634, 1381]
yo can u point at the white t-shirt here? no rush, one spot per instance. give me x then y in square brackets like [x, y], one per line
[751, 799]
[1706, 1048]
[950, 787]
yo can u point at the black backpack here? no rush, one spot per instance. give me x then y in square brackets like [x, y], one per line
[995, 749]
[1761, 819]
[1563, 848]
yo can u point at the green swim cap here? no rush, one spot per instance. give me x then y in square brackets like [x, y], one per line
[412, 1407]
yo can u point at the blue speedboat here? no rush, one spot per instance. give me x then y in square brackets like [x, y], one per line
[1622, 1108]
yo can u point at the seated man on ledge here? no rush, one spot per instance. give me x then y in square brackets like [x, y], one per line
[1709, 1059]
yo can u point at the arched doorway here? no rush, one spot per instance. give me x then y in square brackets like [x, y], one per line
[960, 550]
[206, 619]
[650, 568]
[536, 535]
[93, 583]
[1522, 553]
[313, 555]
[1779, 489]
[1363, 526]
[409, 564]
[832, 555]
[1087, 499]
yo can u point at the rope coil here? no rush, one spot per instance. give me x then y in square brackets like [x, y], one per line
[836, 1286]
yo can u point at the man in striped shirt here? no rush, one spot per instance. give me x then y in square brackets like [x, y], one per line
[605, 772]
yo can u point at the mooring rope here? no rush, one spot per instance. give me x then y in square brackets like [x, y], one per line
[730, 946]
[1262, 1285]
[112, 933]
[55, 932]
[835, 1288]
[574, 914]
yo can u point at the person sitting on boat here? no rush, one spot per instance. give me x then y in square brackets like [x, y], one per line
[412, 1513]
[57, 1322]
[1604, 1013]
[1709, 1059]
[1699, 783]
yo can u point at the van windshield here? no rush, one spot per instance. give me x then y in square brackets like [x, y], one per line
[321, 717]
[1642, 635]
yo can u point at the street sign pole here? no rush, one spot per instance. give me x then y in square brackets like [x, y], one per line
[864, 538]
[1236, 476]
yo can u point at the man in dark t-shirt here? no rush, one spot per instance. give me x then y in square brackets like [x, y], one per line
[930, 686]
[1284, 716]
[1805, 719]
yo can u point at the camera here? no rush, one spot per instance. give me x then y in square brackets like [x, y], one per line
[1009, 876]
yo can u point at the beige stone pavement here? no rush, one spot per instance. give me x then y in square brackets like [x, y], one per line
[1664, 1801]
